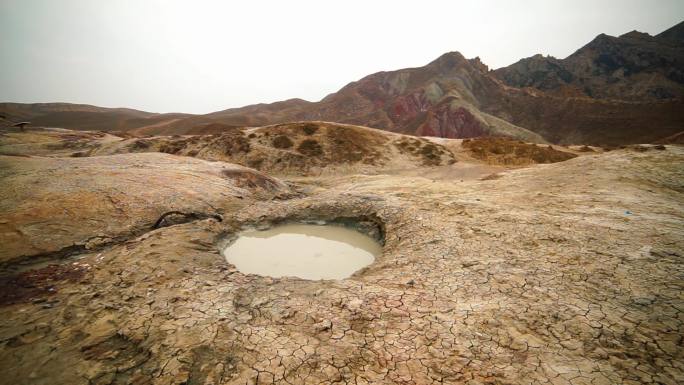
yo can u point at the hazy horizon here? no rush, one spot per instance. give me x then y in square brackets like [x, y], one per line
[200, 57]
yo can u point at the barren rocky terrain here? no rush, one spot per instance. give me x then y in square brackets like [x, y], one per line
[503, 262]
[615, 90]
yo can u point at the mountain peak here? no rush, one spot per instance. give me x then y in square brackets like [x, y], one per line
[675, 33]
[448, 60]
[636, 35]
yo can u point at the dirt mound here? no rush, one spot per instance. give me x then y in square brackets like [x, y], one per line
[505, 151]
[307, 145]
[297, 148]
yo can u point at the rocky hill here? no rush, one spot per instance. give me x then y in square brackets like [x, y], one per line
[439, 99]
[613, 91]
[634, 67]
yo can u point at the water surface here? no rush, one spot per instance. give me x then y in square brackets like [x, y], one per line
[305, 251]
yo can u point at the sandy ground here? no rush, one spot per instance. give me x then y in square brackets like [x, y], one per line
[567, 273]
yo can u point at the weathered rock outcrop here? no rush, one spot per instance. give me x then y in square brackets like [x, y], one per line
[67, 205]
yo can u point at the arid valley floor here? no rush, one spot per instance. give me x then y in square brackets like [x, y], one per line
[503, 262]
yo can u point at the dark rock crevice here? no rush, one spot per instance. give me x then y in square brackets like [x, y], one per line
[171, 218]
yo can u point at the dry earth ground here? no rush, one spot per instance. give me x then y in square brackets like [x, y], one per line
[565, 273]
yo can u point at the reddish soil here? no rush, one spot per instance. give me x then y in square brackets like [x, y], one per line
[35, 284]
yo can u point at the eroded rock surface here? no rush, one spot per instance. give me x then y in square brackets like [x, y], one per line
[568, 273]
[53, 205]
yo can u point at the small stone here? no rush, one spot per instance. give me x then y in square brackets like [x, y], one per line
[323, 326]
[644, 301]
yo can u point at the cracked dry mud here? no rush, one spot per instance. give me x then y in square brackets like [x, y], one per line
[568, 273]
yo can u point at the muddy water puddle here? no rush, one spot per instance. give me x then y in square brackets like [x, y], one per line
[302, 250]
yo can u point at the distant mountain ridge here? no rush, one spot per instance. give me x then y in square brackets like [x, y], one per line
[614, 90]
[635, 66]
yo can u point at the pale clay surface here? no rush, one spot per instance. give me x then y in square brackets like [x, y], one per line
[538, 277]
[88, 202]
[302, 250]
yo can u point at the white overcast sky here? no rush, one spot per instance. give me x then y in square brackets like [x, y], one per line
[203, 56]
